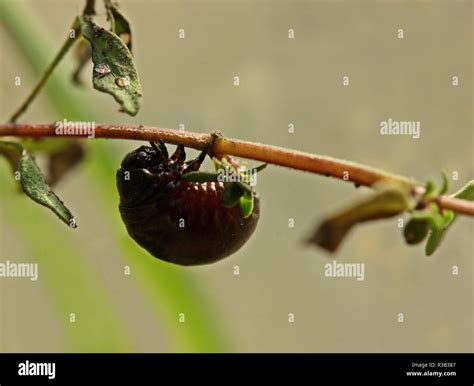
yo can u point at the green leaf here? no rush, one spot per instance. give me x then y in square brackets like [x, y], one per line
[387, 202]
[437, 233]
[254, 170]
[246, 204]
[432, 215]
[429, 189]
[32, 181]
[259, 168]
[119, 23]
[248, 176]
[231, 194]
[238, 193]
[416, 231]
[427, 221]
[436, 236]
[445, 183]
[114, 69]
[34, 186]
[466, 192]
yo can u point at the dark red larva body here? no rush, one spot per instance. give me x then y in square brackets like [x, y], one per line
[175, 220]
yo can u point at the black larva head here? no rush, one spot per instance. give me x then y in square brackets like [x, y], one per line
[142, 158]
[153, 157]
[146, 169]
[174, 219]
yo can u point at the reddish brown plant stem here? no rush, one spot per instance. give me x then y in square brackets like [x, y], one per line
[327, 166]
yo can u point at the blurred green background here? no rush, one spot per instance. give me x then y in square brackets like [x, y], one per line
[190, 81]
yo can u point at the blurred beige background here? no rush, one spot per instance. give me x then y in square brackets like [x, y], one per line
[286, 81]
